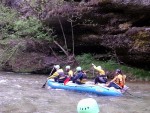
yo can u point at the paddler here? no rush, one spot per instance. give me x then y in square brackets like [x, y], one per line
[101, 77]
[58, 75]
[118, 81]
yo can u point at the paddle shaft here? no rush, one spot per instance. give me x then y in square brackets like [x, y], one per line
[46, 80]
[132, 94]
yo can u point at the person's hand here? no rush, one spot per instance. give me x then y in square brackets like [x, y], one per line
[93, 64]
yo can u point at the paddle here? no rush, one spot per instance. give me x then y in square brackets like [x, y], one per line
[125, 90]
[46, 80]
[132, 94]
[67, 80]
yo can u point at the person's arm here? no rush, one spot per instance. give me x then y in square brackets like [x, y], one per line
[54, 75]
[70, 73]
[111, 81]
[78, 76]
[100, 71]
[96, 68]
[114, 79]
[124, 79]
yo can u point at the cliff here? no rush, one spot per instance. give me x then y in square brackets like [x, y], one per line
[117, 27]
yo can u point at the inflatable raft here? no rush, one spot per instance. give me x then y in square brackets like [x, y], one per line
[99, 89]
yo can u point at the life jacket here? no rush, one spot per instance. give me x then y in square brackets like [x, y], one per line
[102, 72]
[120, 80]
[70, 73]
[80, 77]
[60, 73]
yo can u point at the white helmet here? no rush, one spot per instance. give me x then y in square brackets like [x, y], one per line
[57, 67]
[88, 105]
[67, 67]
[99, 67]
[78, 69]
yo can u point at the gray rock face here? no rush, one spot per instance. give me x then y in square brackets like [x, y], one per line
[120, 27]
[134, 2]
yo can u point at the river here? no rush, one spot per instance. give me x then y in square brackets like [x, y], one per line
[22, 93]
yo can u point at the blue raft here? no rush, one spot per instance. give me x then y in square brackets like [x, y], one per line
[99, 89]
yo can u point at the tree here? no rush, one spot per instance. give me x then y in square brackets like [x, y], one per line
[71, 11]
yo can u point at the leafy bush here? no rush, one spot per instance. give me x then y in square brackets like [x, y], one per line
[7, 15]
[12, 26]
[86, 60]
[31, 27]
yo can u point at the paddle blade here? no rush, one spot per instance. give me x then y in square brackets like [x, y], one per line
[44, 85]
[66, 81]
[123, 90]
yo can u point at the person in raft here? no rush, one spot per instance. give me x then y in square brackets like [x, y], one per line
[101, 77]
[58, 75]
[69, 72]
[80, 76]
[118, 81]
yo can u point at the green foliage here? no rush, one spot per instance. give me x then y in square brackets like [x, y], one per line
[11, 26]
[86, 60]
[31, 27]
[7, 15]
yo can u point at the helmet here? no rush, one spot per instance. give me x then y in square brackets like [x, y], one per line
[67, 67]
[88, 105]
[56, 67]
[118, 71]
[99, 67]
[78, 69]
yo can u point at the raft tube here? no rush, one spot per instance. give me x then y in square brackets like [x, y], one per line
[99, 89]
